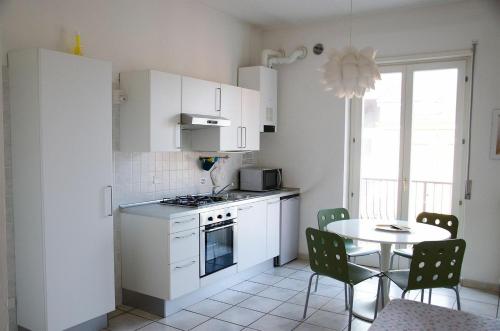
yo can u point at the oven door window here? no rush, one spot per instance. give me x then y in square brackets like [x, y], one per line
[219, 249]
[270, 179]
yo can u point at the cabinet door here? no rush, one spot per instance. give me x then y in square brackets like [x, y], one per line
[269, 102]
[184, 277]
[250, 114]
[252, 227]
[76, 166]
[273, 228]
[230, 136]
[165, 109]
[201, 97]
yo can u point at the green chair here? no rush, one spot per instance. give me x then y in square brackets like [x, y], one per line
[435, 264]
[447, 222]
[328, 257]
[327, 216]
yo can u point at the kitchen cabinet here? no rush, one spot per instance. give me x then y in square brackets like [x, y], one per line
[168, 249]
[241, 107]
[201, 97]
[252, 241]
[273, 228]
[62, 176]
[150, 118]
[265, 80]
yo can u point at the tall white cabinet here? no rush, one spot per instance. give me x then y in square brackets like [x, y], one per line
[62, 177]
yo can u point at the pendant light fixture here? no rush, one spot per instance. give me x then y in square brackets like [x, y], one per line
[350, 72]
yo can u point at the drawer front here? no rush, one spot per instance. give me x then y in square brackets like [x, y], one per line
[184, 223]
[184, 245]
[184, 277]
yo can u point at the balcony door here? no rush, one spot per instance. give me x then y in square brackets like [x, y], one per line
[406, 142]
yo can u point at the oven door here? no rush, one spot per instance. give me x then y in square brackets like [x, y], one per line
[217, 247]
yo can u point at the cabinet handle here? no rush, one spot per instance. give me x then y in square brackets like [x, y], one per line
[218, 98]
[238, 137]
[178, 136]
[108, 200]
[186, 236]
[186, 265]
[245, 208]
[186, 221]
[245, 137]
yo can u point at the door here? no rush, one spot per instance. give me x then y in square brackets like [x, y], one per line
[218, 241]
[230, 136]
[201, 97]
[406, 142]
[250, 131]
[273, 228]
[251, 234]
[75, 102]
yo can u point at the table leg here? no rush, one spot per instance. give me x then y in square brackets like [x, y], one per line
[363, 307]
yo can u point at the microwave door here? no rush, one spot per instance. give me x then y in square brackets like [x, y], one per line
[270, 179]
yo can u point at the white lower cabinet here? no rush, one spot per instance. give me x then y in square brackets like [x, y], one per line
[183, 245]
[252, 239]
[273, 228]
[184, 277]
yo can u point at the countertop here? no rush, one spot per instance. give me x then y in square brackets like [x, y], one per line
[158, 210]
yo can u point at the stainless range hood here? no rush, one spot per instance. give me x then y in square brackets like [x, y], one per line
[199, 121]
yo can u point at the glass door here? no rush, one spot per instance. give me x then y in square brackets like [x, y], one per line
[219, 246]
[406, 148]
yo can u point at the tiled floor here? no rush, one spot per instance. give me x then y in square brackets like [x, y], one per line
[274, 301]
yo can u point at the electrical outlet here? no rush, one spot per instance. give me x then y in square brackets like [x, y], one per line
[203, 181]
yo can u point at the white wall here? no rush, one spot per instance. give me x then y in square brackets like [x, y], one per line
[310, 142]
[179, 36]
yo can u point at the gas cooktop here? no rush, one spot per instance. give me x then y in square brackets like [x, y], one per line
[192, 200]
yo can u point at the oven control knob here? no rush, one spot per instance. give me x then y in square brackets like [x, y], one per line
[219, 216]
[228, 215]
[210, 218]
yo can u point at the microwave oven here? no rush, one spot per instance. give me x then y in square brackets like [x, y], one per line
[260, 179]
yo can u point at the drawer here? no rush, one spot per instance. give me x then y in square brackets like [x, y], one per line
[184, 277]
[184, 223]
[184, 245]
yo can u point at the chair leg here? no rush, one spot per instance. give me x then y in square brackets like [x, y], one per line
[345, 297]
[380, 293]
[392, 261]
[316, 286]
[458, 297]
[422, 292]
[430, 295]
[403, 294]
[308, 293]
[351, 301]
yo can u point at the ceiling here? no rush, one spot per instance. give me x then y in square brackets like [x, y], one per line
[276, 13]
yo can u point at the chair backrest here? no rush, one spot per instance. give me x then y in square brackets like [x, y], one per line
[436, 264]
[447, 222]
[327, 254]
[327, 216]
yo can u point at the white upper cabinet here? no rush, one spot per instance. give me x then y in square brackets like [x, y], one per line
[250, 120]
[149, 120]
[201, 97]
[264, 80]
[231, 104]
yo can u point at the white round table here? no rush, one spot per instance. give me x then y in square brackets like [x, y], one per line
[365, 230]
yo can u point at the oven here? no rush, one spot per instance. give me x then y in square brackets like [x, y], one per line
[218, 244]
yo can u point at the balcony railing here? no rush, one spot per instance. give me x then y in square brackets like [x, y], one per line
[379, 198]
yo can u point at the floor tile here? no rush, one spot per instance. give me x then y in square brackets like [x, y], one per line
[478, 308]
[158, 327]
[184, 320]
[266, 279]
[278, 293]
[217, 325]
[477, 295]
[274, 323]
[335, 306]
[145, 314]
[249, 287]
[370, 285]
[292, 284]
[310, 327]
[330, 281]
[297, 264]
[126, 322]
[438, 299]
[359, 325]
[261, 304]
[209, 307]
[231, 297]
[315, 301]
[280, 271]
[240, 316]
[328, 320]
[328, 290]
[302, 275]
[292, 311]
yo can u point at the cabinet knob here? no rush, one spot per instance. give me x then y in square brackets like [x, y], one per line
[210, 218]
[219, 216]
[228, 215]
